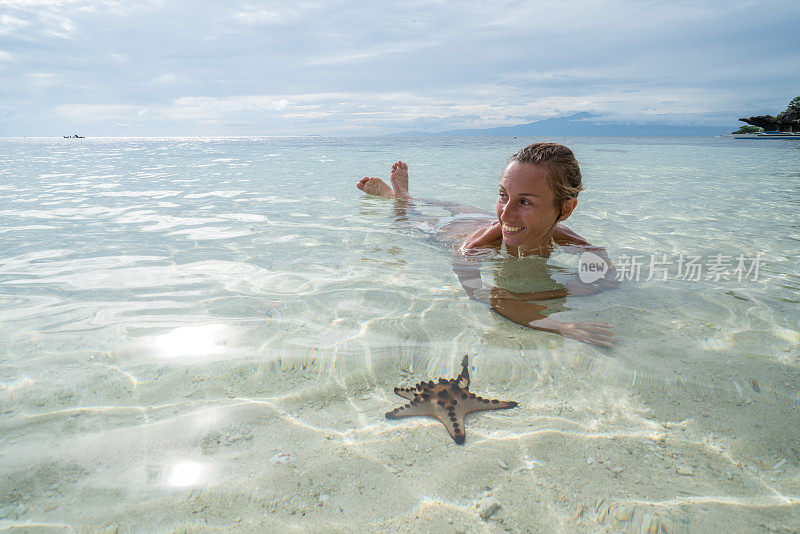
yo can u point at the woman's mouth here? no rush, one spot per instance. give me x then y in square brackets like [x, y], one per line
[512, 229]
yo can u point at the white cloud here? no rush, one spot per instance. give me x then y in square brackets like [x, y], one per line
[374, 52]
[165, 79]
[279, 105]
[9, 24]
[275, 12]
[57, 25]
[330, 66]
[43, 79]
[58, 18]
[482, 106]
[211, 107]
[87, 6]
[95, 112]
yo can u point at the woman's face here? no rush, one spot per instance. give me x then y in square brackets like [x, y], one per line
[525, 206]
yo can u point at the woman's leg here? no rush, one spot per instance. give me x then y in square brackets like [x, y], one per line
[399, 191]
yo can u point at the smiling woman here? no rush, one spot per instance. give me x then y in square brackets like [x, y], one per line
[540, 184]
[538, 189]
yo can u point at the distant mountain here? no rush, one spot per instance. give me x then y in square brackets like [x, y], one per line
[588, 124]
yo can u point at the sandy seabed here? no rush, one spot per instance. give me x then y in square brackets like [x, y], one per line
[593, 447]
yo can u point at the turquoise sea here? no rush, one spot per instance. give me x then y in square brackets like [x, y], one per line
[206, 333]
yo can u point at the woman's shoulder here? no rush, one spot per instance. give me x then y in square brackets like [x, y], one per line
[564, 236]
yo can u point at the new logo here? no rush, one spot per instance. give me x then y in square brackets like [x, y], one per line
[591, 267]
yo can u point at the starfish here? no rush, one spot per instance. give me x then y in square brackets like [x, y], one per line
[447, 400]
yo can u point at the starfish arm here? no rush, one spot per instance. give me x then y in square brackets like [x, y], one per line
[479, 404]
[407, 393]
[411, 409]
[423, 389]
[463, 378]
[453, 420]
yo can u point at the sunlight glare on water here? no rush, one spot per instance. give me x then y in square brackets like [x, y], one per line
[192, 342]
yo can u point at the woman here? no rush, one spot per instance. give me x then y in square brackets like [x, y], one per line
[538, 189]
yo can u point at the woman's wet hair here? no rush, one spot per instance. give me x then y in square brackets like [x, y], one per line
[563, 171]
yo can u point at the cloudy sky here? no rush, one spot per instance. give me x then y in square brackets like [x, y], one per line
[299, 67]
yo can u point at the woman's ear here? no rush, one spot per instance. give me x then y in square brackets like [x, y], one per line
[567, 207]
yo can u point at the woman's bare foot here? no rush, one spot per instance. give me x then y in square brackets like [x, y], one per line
[399, 179]
[375, 186]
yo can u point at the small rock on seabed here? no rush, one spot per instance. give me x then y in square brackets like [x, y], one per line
[487, 507]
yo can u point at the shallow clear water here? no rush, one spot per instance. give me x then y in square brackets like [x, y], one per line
[207, 332]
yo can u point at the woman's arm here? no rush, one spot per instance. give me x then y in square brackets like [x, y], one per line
[513, 307]
[489, 236]
[572, 243]
[529, 314]
[469, 275]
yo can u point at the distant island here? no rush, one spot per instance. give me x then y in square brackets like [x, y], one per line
[788, 121]
[587, 124]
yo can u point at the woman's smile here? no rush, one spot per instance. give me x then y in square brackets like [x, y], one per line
[508, 229]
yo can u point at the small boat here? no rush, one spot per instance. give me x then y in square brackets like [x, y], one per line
[76, 136]
[767, 135]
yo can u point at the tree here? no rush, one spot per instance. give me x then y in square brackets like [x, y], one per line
[747, 128]
[792, 112]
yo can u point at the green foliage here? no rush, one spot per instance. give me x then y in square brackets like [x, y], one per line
[794, 105]
[748, 128]
[792, 112]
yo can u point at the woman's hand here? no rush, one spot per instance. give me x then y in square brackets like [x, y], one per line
[483, 237]
[596, 333]
[579, 289]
